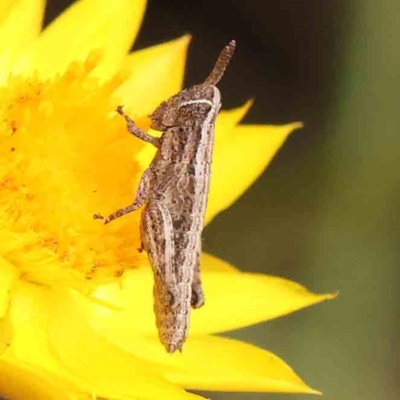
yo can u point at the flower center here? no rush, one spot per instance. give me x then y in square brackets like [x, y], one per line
[65, 155]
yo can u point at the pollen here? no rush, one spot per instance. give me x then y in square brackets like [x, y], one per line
[65, 155]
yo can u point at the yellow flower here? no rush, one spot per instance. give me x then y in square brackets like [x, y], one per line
[76, 317]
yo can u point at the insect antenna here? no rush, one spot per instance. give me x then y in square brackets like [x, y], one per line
[221, 64]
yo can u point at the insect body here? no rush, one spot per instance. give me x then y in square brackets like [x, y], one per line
[173, 191]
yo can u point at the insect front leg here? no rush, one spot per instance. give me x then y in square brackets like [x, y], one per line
[136, 131]
[140, 199]
[197, 299]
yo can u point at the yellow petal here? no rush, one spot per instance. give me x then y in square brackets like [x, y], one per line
[37, 384]
[6, 332]
[134, 297]
[29, 316]
[227, 121]
[156, 73]
[236, 300]
[49, 334]
[19, 29]
[240, 159]
[110, 371]
[129, 323]
[233, 300]
[211, 263]
[213, 363]
[5, 7]
[9, 276]
[40, 384]
[109, 26]
[235, 366]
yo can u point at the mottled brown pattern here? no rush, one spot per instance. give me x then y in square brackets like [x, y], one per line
[174, 193]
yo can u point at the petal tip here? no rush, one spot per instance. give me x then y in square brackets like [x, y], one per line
[331, 296]
[250, 102]
[176, 45]
[185, 39]
[247, 105]
[314, 391]
[292, 126]
[297, 125]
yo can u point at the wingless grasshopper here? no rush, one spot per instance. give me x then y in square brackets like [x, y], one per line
[173, 191]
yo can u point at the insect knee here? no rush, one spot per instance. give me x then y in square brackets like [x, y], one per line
[197, 299]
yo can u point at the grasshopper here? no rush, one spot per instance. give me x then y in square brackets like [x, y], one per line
[174, 191]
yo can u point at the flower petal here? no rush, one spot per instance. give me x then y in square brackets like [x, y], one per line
[110, 371]
[236, 300]
[234, 366]
[6, 333]
[156, 73]
[29, 314]
[233, 300]
[49, 336]
[211, 263]
[5, 7]
[133, 329]
[37, 384]
[240, 159]
[88, 25]
[9, 276]
[133, 296]
[19, 28]
[227, 121]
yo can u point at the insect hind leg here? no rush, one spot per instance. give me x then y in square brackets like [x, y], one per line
[156, 231]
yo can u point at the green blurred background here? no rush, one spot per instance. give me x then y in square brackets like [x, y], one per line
[325, 213]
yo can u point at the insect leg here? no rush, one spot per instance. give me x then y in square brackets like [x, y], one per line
[140, 199]
[197, 300]
[136, 131]
[157, 236]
